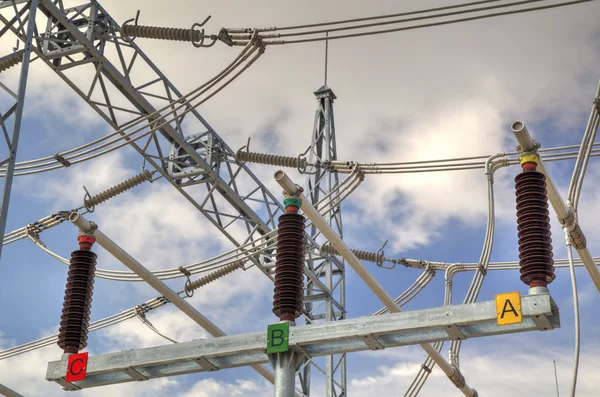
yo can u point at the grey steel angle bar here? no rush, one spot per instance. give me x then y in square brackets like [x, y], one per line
[252, 220]
[13, 142]
[352, 335]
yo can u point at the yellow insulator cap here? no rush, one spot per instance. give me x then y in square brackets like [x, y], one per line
[528, 158]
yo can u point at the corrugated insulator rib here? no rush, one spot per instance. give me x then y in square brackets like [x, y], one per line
[116, 190]
[225, 270]
[160, 33]
[271, 159]
[289, 269]
[362, 255]
[11, 61]
[535, 243]
[75, 318]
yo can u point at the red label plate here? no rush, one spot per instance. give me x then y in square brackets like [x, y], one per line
[76, 367]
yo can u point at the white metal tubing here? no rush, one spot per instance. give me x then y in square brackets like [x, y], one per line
[291, 188]
[110, 246]
[565, 216]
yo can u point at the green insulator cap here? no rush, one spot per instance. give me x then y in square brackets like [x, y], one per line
[292, 201]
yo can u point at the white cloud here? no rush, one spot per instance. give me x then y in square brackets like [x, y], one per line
[504, 371]
[431, 93]
[239, 388]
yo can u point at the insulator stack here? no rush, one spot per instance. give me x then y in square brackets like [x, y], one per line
[271, 159]
[116, 190]
[225, 270]
[74, 322]
[535, 242]
[362, 255]
[289, 268]
[160, 33]
[11, 61]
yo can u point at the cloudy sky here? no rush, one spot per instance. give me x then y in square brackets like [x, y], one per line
[442, 92]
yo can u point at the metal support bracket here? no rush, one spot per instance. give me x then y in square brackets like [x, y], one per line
[454, 332]
[205, 364]
[135, 375]
[372, 342]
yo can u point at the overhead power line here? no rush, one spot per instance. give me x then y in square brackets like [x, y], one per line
[241, 36]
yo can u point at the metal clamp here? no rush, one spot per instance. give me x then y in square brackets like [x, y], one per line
[130, 39]
[188, 291]
[425, 368]
[62, 160]
[380, 257]
[481, 269]
[87, 197]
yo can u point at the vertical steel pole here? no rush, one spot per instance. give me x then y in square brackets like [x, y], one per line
[323, 149]
[285, 366]
[14, 139]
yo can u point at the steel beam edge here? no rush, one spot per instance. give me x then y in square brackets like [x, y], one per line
[353, 335]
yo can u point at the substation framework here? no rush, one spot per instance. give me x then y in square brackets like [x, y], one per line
[191, 155]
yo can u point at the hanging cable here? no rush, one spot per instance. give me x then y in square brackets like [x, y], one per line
[569, 244]
[142, 317]
[270, 41]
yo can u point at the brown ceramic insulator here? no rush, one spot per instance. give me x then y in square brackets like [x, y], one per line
[289, 269]
[535, 244]
[72, 334]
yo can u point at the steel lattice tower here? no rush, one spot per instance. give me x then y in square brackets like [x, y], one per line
[330, 270]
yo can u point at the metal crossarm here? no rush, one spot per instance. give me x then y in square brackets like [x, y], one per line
[353, 335]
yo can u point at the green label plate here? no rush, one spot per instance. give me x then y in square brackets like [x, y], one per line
[278, 337]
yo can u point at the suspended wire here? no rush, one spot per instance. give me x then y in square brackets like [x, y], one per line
[269, 41]
[314, 25]
[142, 317]
[243, 252]
[398, 21]
[569, 245]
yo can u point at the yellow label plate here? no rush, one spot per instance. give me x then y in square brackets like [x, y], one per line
[508, 308]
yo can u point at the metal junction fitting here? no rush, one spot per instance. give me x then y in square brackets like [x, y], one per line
[535, 243]
[289, 268]
[74, 322]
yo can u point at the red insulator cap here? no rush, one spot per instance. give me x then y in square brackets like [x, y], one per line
[291, 209]
[529, 166]
[86, 241]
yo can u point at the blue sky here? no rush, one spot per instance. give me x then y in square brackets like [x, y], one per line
[444, 92]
